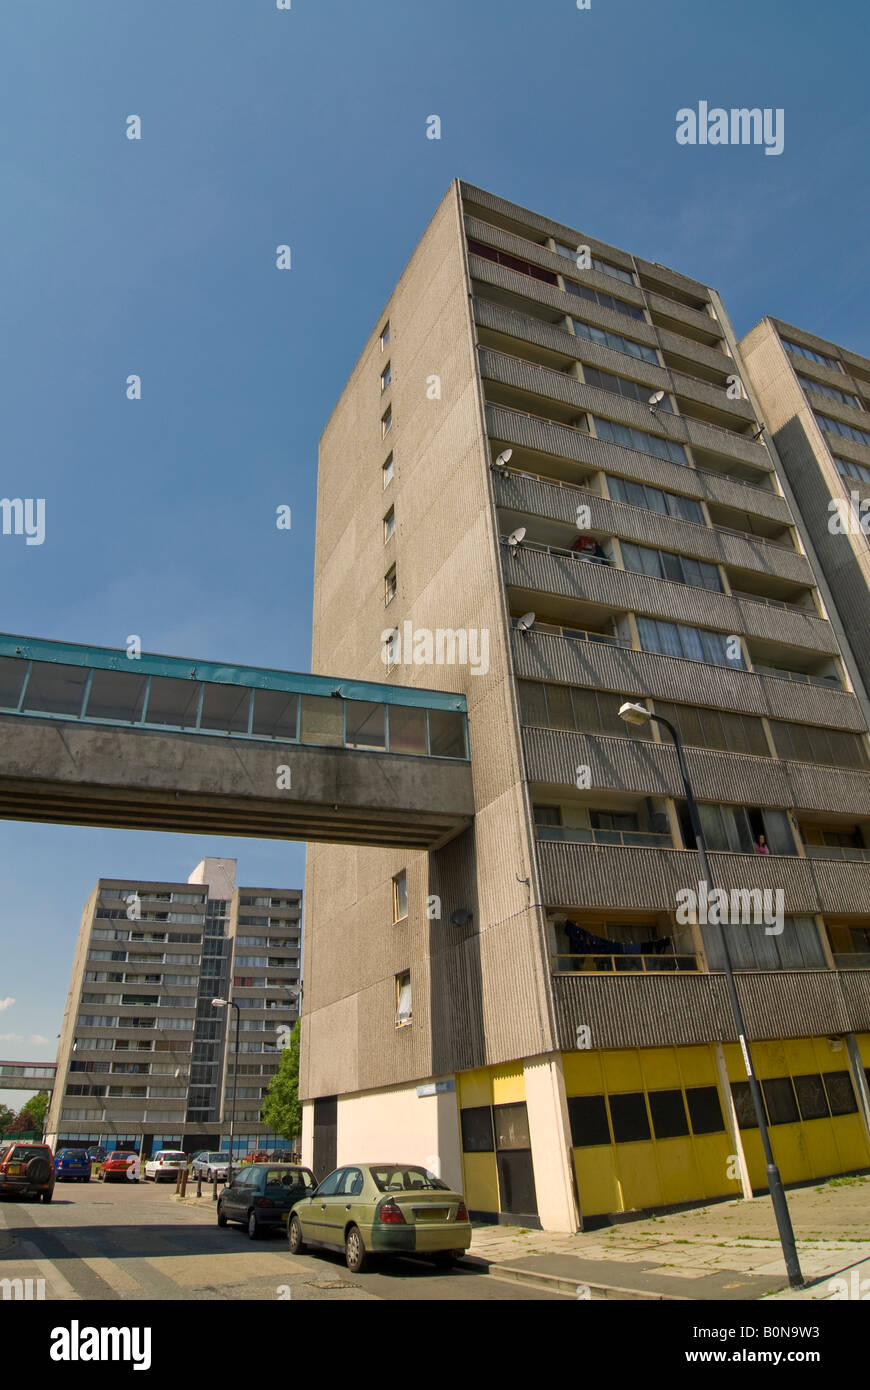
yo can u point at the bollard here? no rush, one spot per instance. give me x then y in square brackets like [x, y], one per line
[199, 1184]
[214, 1189]
[178, 1181]
[183, 1181]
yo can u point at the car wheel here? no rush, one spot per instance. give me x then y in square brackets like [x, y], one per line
[354, 1251]
[47, 1196]
[253, 1226]
[221, 1219]
[295, 1243]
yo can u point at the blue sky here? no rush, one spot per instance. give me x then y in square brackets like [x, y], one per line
[307, 127]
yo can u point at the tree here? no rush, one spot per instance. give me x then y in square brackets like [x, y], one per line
[35, 1111]
[281, 1108]
[6, 1118]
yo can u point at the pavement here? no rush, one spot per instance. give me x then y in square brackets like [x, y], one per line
[725, 1251]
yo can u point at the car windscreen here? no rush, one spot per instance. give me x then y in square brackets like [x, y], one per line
[283, 1178]
[217, 1158]
[170, 1156]
[23, 1153]
[393, 1178]
[78, 1155]
[120, 1154]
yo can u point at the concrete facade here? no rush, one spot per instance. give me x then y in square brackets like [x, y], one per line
[641, 522]
[145, 1059]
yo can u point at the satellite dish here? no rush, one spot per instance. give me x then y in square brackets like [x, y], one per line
[656, 399]
[503, 459]
[515, 537]
[526, 622]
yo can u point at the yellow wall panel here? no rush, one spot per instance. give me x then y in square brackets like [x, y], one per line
[712, 1152]
[697, 1066]
[481, 1182]
[850, 1138]
[679, 1177]
[637, 1176]
[863, 1040]
[596, 1180]
[622, 1071]
[474, 1088]
[659, 1068]
[583, 1073]
[508, 1083]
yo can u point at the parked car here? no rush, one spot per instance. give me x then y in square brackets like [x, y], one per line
[165, 1164]
[284, 1156]
[72, 1165]
[262, 1194]
[382, 1209]
[28, 1169]
[210, 1166]
[115, 1166]
[257, 1156]
[97, 1153]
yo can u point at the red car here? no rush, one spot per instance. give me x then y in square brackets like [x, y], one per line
[27, 1169]
[114, 1168]
[258, 1156]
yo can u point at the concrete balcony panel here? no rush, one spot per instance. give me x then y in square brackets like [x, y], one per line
[694, 351]
[847, 449]
[849, 414]
[489, 273]
[564, 442]
[527, 329]
[714, 396]
[634, 1010]
[555, 502]
[543, 656]
[681, 313]
[529, 569]
[640, 765]
[544, 225]
[672, 278]
[592, 876]
[551, 260]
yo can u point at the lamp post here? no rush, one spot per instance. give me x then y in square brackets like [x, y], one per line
[231, 1004]
[637, 714]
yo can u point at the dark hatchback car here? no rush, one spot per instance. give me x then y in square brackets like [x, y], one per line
[27, 1169]
[72, 1165]
[262, 1194]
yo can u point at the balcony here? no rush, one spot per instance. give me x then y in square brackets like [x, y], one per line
[647, 965]
[558, 501]
[554, 655]
[536, 571]
[567, 445]
[579, 835]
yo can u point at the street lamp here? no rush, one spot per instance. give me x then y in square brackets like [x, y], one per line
[637, 714]
[231, 1004]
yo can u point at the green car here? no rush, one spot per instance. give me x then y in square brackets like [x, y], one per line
[382, 1209]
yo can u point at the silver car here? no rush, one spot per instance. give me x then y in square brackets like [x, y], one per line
[210, 1166]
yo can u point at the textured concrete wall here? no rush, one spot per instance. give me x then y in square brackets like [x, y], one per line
[479, 991]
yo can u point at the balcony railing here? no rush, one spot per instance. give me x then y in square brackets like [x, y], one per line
[578, 634]
[563, 550]
[852, 960]
[849, 852]
[775, 603]
[800, 677]
[648, 965]
[579, 835]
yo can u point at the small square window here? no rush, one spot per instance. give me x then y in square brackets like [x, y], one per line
[387, 471]
[390, 585]
[386, 376]
[389, 524]
[403, 998]
[400, 896]
[385, 335]
[386, 423]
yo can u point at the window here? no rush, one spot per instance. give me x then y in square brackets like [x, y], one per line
[389, 524]
[390, 585]
[668, 1114]
[812, 744]
[386, 422]
[400, 896]
[588, 1117]
[387, 471]
[705, 1111]
[654, 500]
[810, 354]
[743, 1106]
[848, 469]
[822, 389]
[615, 341]
[639, 440]
[403, 998]
[606, 301]
[477, 1136]
[629, 1118]
[696, 644]
[385, 335]
[386, 376]
[811, 1097]
[621, 386]
[841, 1097]
[780, 1101]
[846, 431]
[663, 564]
[523, 267]
[713, 728]
[606, 267]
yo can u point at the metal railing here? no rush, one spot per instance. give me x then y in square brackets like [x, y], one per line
[646, 964]
[570, 834]
[799, 677]
[852, 960]
[853, 853]
[579, 634]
